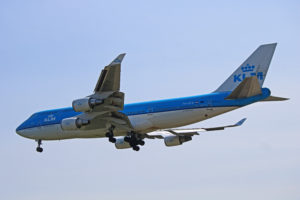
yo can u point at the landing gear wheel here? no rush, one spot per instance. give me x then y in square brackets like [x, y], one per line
[141, 142]
[127, 139]
[136, 148]
[110, 135]
[39, 149]
[112, 140]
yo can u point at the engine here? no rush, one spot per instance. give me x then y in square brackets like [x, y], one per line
[73, 123]
[121, 144]
[176, 140]
[85, 104]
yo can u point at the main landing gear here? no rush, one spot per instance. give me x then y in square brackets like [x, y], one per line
[39, 148]
[134, 140]
[110, 135]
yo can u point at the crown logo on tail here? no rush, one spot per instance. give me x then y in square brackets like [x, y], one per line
[248, 68]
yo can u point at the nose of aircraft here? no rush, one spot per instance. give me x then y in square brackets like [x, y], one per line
[23, 130]
[19, 131]
[25, 133]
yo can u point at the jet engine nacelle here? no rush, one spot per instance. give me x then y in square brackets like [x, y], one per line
[121, 144]
[85, 104]
[176, 140]
[73, 123]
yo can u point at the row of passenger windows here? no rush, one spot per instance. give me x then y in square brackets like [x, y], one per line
[185, 105]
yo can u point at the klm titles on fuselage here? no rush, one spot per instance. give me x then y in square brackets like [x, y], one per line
[248, 70]
[50, 118]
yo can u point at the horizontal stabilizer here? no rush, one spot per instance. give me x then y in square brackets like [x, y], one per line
[273, 98]
[247, 88]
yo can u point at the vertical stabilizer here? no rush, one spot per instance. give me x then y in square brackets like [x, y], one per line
[256, 65]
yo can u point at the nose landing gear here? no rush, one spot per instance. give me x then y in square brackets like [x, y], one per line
[39, 148]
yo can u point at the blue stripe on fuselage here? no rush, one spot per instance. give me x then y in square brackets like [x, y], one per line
[55, 116]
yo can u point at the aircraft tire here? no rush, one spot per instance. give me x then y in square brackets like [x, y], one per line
[136, 148]
[39, 149]
[112, 140]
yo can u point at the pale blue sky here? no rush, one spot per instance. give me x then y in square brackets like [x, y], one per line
[52, 52]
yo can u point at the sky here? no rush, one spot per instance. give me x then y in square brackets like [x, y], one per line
[52, 52]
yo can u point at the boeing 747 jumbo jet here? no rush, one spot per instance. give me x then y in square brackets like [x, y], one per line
[103, 113]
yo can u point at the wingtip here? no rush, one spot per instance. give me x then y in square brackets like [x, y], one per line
[239, 123]
[121, 56]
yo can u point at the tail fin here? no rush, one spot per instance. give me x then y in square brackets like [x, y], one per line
[256, 65]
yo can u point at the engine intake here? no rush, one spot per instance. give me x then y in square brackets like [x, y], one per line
[73, 123]
[122, 144]
[176, 140]
[85, 104]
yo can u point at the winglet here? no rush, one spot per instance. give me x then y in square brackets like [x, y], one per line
[239, 123]
[118, 59]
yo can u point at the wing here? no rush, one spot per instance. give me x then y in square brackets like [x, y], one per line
[101, 109]
[160, 134]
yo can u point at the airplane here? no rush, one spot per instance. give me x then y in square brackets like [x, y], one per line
[103, 113]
